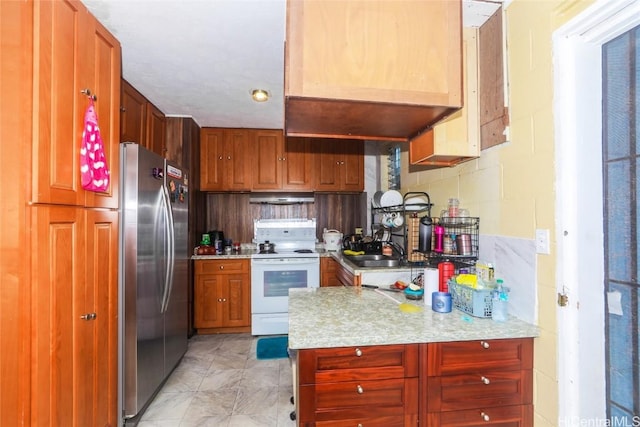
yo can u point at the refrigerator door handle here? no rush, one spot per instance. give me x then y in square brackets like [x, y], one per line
[168, 282]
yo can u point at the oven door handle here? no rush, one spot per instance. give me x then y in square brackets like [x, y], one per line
[288, 261]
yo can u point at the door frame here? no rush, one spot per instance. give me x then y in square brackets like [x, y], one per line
[577, 59]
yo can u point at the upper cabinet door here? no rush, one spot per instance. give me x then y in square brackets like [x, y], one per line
[211, 159]
[106, 60]
[72, 53]
[299, 168]
[371, 70]
[133, 115]
[268, 158]
[156, 132]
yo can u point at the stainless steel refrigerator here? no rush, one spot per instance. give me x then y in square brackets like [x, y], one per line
[154, 258]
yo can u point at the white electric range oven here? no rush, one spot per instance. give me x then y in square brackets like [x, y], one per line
[293, 263]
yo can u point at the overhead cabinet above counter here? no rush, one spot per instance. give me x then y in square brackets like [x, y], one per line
[242, 160]
[374, 70]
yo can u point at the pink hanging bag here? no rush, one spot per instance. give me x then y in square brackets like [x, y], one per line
[94, 170]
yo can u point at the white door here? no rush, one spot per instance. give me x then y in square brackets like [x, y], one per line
[578, 119]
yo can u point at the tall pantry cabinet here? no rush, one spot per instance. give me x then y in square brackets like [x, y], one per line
[59, 243]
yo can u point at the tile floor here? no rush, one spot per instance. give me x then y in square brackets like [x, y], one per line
[220, 383]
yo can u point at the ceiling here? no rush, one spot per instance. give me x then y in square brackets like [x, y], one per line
[202, 58]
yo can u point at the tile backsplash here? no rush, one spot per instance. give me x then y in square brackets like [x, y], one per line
[514, 260]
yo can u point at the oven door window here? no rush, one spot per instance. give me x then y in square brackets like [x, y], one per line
[277, 283]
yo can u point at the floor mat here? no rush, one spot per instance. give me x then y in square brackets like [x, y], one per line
[272, 347]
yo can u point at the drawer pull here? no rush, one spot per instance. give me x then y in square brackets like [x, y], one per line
[359, 425]
[485, 417]
[485, 380]
[484, 344]
[358, 352]
[222, 267]
[359, 389]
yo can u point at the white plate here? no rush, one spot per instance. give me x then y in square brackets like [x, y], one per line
[391, 198]
[416, 204]
[375, 200]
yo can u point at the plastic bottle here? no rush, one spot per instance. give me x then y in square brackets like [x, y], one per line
[438, 246]
[500, 302]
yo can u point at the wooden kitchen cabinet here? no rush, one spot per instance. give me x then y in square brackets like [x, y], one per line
[70, 46]
[133, 115]
[457, 138]
[329, 272]
[141, 121]
[72, 245]
[342, 82]
[156, 130]
[281, 163]
[340, 165]
[225, 159]
[75, 312]
[370, 385]
[471, 383]
[222, 296]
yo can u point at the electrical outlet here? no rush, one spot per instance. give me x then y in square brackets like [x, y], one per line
[542, 241]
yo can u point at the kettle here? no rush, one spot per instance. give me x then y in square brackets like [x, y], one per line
[332, 240]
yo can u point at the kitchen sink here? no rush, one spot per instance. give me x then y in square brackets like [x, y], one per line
[373, 260]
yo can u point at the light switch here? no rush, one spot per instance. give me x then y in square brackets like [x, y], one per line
[542, 241]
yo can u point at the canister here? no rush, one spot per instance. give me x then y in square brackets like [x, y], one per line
[441, 302]
[463, 244]
[446, 270]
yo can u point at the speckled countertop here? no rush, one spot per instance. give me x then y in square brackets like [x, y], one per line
[348, 316]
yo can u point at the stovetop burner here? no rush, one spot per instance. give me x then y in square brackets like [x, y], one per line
[303, 251]
[267, 252]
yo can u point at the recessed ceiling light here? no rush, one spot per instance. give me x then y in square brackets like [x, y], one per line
[260, 95]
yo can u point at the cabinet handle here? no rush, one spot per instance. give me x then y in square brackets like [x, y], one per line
[89, 316]
[485, 380]
[359, 425]
[359, 389]
[485, 417]
[220, 158]
[222, 267]
[358, 352]
[228, 157]
[484, 344]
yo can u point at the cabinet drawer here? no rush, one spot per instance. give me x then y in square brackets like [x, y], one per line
[475, 356]
[489, 389]
[222, 266]
[358, 363]
[506, 416]
[365, 400]
[387, 421]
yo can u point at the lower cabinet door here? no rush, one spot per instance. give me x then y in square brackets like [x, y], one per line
[505, 416]
[354, 402]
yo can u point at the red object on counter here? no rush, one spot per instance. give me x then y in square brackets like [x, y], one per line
[446, 270]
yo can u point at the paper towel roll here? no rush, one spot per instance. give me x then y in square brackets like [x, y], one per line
[431, 282]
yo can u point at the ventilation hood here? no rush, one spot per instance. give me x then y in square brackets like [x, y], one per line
[281, 198]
